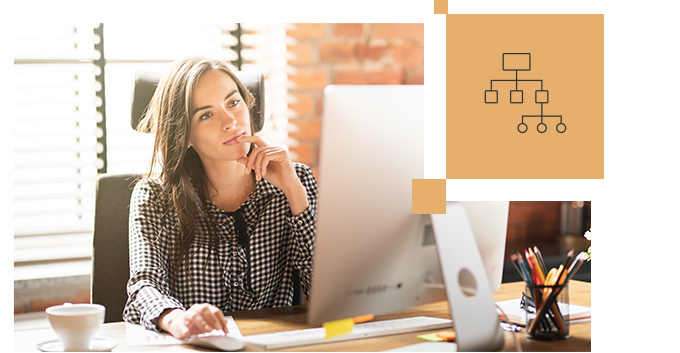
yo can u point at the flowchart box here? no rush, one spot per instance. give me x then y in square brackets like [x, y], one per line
[491, 96]
[541, 96]
[516, 61]
[516, 96]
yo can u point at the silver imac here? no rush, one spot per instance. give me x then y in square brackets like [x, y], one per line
[372, 255]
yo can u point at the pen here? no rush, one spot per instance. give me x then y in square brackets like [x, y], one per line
[576, 265]
[570, 256]
[524, 268]
[363, 318]
[539, 256]
[550, 303]
[515, 262]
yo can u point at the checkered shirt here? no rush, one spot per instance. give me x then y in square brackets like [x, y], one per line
[224, 276]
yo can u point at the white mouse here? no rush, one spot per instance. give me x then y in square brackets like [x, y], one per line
[220, 343]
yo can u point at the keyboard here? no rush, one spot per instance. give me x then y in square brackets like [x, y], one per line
[296, 338]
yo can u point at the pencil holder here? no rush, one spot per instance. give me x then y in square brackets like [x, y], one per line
[547, 311]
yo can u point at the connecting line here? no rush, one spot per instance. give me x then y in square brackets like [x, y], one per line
[541, 127]
[516, 81]
[542, 116]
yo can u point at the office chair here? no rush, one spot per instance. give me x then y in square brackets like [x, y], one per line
[110, 258]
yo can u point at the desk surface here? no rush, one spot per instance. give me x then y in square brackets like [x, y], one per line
[293, 318]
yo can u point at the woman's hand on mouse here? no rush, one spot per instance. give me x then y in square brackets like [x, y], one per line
[199, 318]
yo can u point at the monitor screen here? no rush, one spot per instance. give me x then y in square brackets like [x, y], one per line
[372, 255]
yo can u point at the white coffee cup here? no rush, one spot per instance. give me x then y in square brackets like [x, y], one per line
[76, 324]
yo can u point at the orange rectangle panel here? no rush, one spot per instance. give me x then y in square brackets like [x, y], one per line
[516, 61]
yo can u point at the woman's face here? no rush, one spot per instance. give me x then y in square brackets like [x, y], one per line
[219, 116]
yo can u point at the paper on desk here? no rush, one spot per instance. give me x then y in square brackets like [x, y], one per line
[516, 314]
[137, 335]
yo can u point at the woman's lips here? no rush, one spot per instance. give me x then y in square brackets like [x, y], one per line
[234, 139]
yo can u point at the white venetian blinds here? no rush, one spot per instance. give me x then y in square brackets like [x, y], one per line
[62, 97]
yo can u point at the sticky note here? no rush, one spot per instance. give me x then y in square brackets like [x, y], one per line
[338, 327]
[431, 337]
[447, 336]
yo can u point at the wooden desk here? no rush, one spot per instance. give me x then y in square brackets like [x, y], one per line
[293, 318]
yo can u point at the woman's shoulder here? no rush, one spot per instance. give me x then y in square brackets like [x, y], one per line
[304, 172]
[307, 178]
[147, 185]
[302, 169]
[147, 190]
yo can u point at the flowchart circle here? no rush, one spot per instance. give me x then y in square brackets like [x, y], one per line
[545, 127]
[525, 128]
[558, 127]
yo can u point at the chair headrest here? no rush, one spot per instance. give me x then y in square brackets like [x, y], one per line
[146, 83]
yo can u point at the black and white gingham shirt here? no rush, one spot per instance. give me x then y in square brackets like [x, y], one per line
[233, 279]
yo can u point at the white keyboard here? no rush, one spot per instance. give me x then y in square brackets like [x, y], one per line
[296, 338]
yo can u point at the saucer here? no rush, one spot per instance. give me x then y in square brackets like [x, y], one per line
[98, 344]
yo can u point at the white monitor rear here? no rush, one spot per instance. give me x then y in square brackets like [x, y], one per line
[365, 246]
[372, 255]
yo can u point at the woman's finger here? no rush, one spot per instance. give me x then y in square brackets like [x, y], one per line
[221, 320]
[258, 161]
[211, 315]
[272, 154]
[256, 140]
[201, 318]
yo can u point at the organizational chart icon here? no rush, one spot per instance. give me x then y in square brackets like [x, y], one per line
[522, 62]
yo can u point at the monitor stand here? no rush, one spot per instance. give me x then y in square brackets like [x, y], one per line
[471, 302]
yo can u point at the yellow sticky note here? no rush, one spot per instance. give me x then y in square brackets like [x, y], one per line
[338, 327]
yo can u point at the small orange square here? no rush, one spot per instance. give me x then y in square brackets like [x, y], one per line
[428, 196]
[441, 7]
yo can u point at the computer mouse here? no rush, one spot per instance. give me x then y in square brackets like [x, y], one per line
[220, 343]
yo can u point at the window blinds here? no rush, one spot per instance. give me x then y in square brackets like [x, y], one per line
[58, 105]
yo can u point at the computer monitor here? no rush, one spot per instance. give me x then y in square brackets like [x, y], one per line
[372, 255]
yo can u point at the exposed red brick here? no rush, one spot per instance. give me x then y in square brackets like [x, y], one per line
[336, 52]
[310, 78]
[303, 53]
[370, 52]
[306, 129]
[408, 55]
[359, 77]
[303, 105]
[308, 30]
[304, 153]
[407, 31]
[348, 29]
[415, 76]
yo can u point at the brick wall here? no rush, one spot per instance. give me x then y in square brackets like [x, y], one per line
[345, 53]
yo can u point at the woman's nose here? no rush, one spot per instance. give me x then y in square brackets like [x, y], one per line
[228, 120]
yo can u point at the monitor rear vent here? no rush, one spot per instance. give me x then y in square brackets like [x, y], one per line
[428, 235]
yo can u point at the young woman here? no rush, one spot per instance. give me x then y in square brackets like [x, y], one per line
[228, 219]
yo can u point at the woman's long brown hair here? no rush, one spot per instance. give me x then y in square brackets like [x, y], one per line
[168, 118]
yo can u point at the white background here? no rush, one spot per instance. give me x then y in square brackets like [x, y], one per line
[635, 208]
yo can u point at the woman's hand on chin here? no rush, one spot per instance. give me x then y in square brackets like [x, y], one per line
[274, 164]
[271, 163]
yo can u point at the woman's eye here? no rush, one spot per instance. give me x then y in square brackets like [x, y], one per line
[205, 116]
[234, 103]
